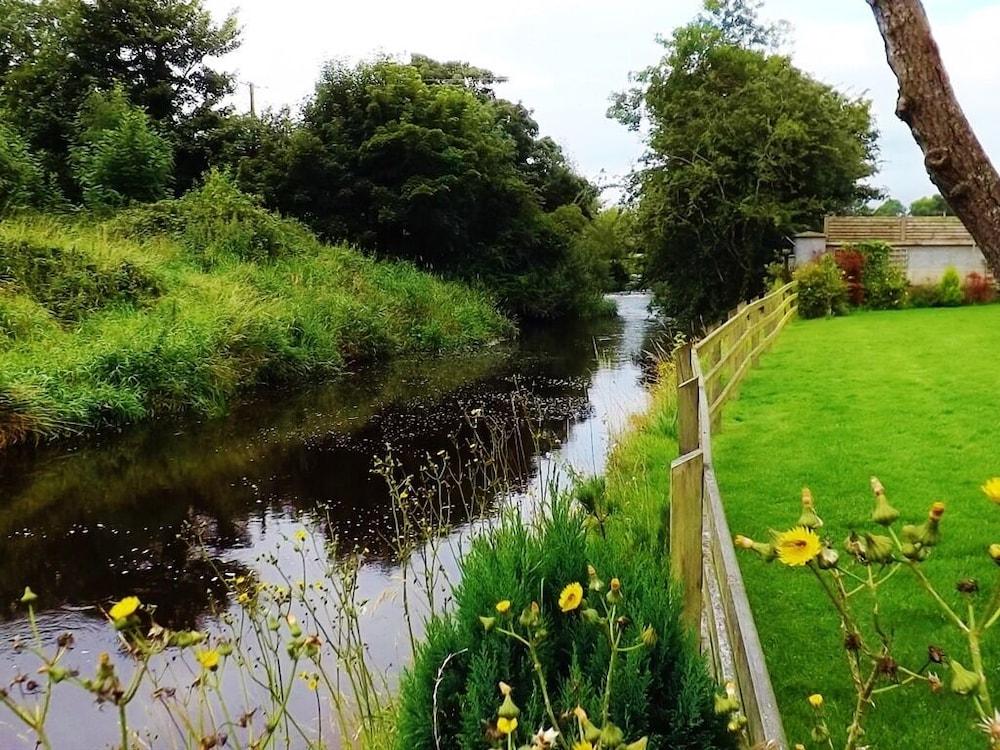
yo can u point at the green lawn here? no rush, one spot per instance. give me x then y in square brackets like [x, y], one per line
[911, 397]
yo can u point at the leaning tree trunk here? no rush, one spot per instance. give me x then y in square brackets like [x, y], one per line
[953, 156]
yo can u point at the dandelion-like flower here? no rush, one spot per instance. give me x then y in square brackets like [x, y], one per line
[209, 659]
[583, 745]
[991, 726]
[992, 489]
[506, 726]
[124, 608]
[816, 700]
[300, 535]
[798, 546]
[571, 597]
[503, 606]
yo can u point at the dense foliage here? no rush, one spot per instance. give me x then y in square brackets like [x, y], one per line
[744, 150]
[421, 161]
[663, 689]
[181, 304]
[931, 205]
[120, 102]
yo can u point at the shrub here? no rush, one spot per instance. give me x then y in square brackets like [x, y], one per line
[822, 289]
[924, 295]
[218, 221]
[885, 284]
[977, 289]
[852, 266]
[663, 689]
[120, 158]
[67, 282]
[22, 181]
[950, 289]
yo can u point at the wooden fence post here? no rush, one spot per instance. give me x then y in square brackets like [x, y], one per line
[686, 563]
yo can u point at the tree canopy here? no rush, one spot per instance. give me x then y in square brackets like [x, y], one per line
[931, 205]
[743, 151]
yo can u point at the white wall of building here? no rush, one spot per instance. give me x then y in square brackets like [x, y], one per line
[927, 263]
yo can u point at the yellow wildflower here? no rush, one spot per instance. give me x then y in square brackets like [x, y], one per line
[583, 745]
[503, 606]
[124, 608]
[992, 489]
[798, 546]
[209, 659]
[571, 597]
[311, 680]
[506, 726]
[816, 700]
[300, 535]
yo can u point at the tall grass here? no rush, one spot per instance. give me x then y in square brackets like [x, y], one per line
[124, 325]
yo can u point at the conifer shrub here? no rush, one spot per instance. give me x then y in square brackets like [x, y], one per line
[885, 284]
[661, 689]
[950, 289]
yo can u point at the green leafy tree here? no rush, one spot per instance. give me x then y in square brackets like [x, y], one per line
[439, 173]
[22, 179]
[120, 158]
[890, 207]
[744, 150]
[931, 205]
[53, 53]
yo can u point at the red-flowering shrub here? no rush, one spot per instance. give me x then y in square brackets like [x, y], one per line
[852, 265]
[978, 289]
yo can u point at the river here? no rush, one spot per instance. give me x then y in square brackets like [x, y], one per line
[86, 522]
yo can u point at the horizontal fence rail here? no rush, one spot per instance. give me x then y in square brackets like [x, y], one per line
[703, 559]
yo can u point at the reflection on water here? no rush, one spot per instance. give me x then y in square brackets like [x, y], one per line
[89, 522]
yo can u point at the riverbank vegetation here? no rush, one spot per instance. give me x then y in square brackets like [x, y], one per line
[420, 160]
[744, 150]
[181, 304]
[900, 396]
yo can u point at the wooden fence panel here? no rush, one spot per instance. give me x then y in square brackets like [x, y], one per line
[702, 555]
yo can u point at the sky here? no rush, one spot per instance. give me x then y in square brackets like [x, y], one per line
[564, 58]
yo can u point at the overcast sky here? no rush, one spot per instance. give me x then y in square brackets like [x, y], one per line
[564, 58]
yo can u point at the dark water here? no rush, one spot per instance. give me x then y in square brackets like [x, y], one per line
[87, 523]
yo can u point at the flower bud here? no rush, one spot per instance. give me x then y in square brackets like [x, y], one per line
[507, 709]
[639, 744]
[611, 736]
[767, 552]
[809, 519]
[879, 548]
[590, 615]
[728, 702]
[914, 552]
[614, 595]
[590, 732]
[935, 654]
[827, 559]
[487, 622]
[857, 547]
[963, 681]
[884, 514]
[595, 583]
[928, 534]
[995, 553]
[649, 637]
[28, 596]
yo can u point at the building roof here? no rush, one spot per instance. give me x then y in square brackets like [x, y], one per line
[905, 231]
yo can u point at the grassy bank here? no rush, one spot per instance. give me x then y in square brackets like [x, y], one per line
[908, 397]
[182, 305]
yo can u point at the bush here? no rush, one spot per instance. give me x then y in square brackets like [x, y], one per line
[22, 181]
[978, 290]
[852, 266]
[822, 289]
[924, 295]
[663, 690]
[68, 282]
[950, 289]
[120, 159]
[885, 284]
[218, 221]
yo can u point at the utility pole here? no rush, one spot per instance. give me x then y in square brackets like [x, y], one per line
[253, 108]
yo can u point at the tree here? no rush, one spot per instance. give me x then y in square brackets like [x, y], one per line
[890, 207]
[953, 156]
[158, 50]
[439, 173]
[22, 180]
[119, 158]
[930, 205]
[743, 151]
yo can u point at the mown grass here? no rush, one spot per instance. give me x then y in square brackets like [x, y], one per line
[124, 326]
[910, 397]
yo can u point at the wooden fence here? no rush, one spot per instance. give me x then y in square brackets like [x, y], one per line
[702, 555]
